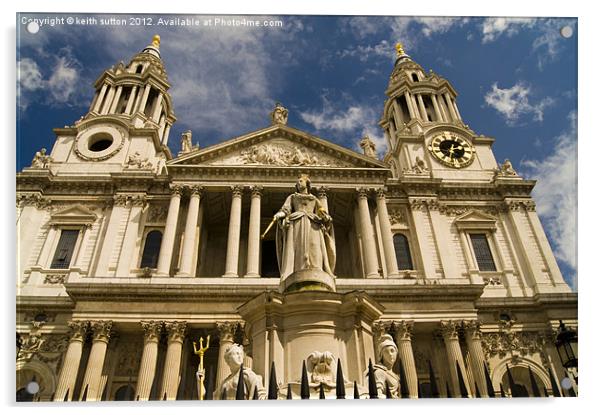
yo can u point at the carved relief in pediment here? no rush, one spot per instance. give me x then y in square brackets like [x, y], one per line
[279, 152]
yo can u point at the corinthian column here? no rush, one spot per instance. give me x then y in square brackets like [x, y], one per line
[449, 330]
[385, 231]
[254, 233]
[171, 371]
[192, 219]
[403, 334]
[226, 330]
[477, 357]
[169, 235]
[68, 374]
[148, 363]
[101, 333]
[234, 233]
[370, 255]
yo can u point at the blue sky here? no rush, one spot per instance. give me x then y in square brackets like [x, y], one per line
[516, 79]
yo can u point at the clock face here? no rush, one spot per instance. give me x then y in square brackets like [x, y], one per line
[452, 150]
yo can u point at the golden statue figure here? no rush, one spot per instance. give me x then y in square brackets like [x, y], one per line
[200, 373]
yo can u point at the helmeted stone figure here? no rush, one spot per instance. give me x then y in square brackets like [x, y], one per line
[383, 369]
[234, 357]
[305, 240]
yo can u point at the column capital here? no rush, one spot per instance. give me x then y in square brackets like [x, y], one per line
[323, 191]
[227, 330]
[196, 190]
[176, 330]
[120, 200]
[236, 190]
[256, 191]
[449, 329]
[78, 330]
[379, 328]
[473, 329]
[362, 192]
[101, 330]
[176, 189]
[138, 200]
[381, 193]
[152, 330]
[403, 330]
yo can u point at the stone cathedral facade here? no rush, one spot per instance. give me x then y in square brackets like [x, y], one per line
[127, 253]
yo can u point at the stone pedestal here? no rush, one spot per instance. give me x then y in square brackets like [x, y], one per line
[287, 328]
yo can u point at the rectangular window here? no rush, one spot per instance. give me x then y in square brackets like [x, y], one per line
[482, 252]
[64, 249]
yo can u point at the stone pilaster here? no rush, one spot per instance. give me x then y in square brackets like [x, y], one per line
[368, 244]
[176, 330]
[192, 219]
[254, 232]
[226, 330]
[68, 374]
[91, 384]
[403, 337]
[169, 234]
[148, 363]
[129, 239]
[234, 233]
[473, 335]
[449, 331]
[109, 240]
[387, 236]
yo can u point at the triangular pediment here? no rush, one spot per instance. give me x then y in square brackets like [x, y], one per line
[278, 146]
[475, 219]
[74, 215]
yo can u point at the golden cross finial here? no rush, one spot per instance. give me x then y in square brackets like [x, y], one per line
[399, 47]
[156, 41]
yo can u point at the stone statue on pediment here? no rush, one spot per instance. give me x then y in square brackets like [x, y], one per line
[279, 115]
[41, 160]
[506, 169]
[368, 146]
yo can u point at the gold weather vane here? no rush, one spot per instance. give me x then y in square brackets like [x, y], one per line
[156, 41]
[399, 47]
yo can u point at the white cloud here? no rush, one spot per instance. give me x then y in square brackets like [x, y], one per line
[59, 88]
[549, 43]
[513, 103]
[29, 75]
[63, 81]
[494, 27]
[556, 195]
[365, 53]
[439, 25]
[351, 118]
[29, 79]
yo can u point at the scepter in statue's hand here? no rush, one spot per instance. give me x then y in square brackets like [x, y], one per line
[200, 352]
[277, 216]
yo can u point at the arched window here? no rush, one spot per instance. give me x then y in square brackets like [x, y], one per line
[402, 251]
[414, 77]
[152, 245]
[125, 393]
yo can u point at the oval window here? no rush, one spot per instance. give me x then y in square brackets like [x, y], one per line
[100, 142]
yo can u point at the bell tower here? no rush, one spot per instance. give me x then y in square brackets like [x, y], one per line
[423, 126]
[127, 125]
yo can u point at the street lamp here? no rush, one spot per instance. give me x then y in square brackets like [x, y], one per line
[566, 344]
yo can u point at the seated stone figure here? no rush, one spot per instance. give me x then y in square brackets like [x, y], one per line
[234, 357]
[383, 369]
